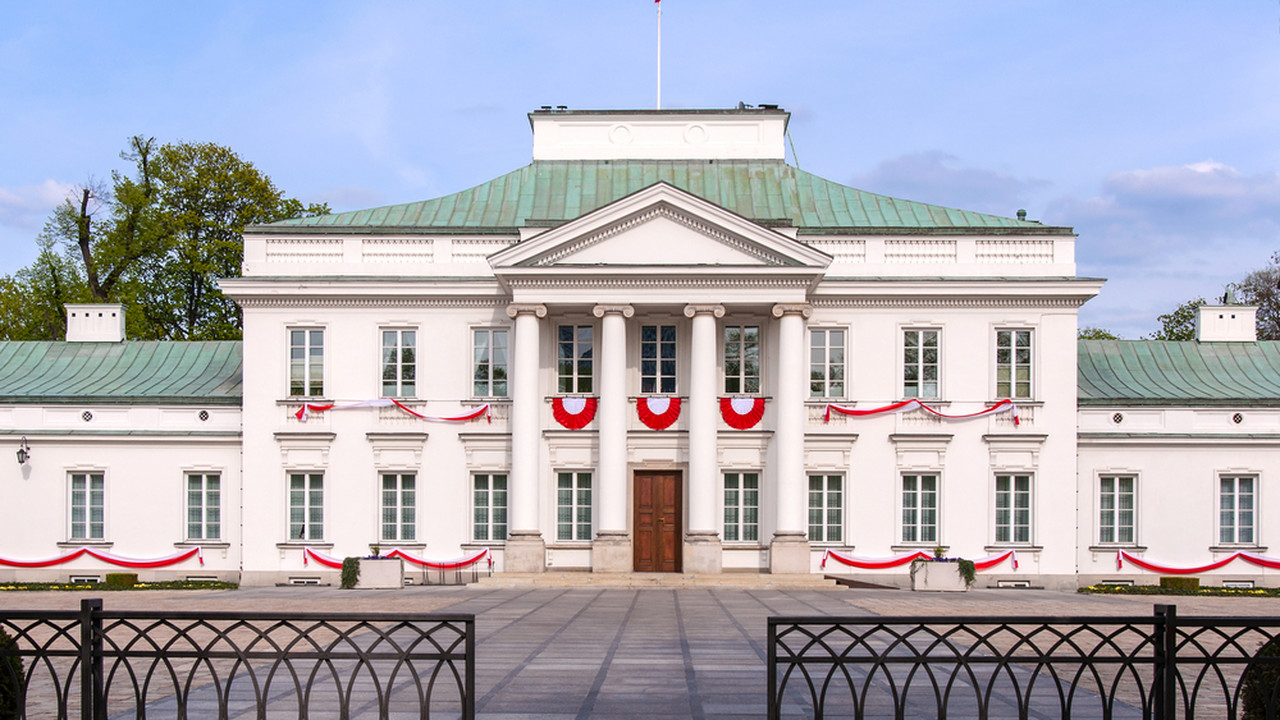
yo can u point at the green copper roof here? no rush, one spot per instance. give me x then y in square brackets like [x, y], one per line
[552, 192]
[206, 373]
[1151, 372]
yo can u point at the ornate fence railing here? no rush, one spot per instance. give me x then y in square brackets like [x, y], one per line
[1154, 667]
[96, 663]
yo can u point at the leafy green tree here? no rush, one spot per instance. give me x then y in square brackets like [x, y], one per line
[1179, 324]
[1262, 288]
[1096, 333]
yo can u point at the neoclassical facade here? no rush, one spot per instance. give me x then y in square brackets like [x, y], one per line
[659, 348]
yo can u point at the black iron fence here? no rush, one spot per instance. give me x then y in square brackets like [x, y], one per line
[1160, 666]
[96, 663]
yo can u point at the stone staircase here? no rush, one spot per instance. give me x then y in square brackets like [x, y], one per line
[657, 580]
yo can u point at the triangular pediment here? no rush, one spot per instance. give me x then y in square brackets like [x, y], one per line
[660, 226]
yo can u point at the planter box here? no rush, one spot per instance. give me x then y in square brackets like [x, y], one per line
[381, 574]
[938, 577]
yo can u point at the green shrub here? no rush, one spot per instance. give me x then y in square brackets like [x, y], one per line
[10, 680]
[121, 580]
[1185, 584]
[350, 573]
[967, 571]
[1258, 686]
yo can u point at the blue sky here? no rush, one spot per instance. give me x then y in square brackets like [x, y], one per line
[1152, 128]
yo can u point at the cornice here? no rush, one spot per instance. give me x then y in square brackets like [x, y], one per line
[949, 302]
[659, 282]
[293, 301]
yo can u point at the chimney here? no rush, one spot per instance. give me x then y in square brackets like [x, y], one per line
[1227, 323]
[95, 323]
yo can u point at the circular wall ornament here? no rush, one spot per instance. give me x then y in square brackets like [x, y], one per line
[620, 135]
[86, 416]
[1117, 418]
[695, 134]
[204, 415]
[1237, 418]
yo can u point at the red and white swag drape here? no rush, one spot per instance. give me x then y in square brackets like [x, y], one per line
[742, 413]
[658, 413]
[119, 560]
[1252, 558]
[308, 408]
[869, 563]
[457, 563]
[574, 412]
[1003, 406]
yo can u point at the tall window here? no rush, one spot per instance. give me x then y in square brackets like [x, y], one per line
[306, 362]
[920, 508]
[575, 357]
[826, 508]
[399, 505]
[741, 507]
[88, 496]
[204, 506]
[306, 506]
[1013, 508]
[1013, 363]
[399, 363]
[920, 363]
[658, 359]
[573, 506]
[489, 522]
[741, 359]
[1116, 495]
[826, 363]
[489, 363]
[1236, 509]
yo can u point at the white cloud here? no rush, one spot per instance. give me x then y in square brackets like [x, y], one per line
[941, 179]
[32, 200]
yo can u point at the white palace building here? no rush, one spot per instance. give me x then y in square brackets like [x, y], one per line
[657, 348]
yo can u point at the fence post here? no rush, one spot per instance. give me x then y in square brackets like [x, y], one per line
[91, 659]
[1165, 687]
[774, 712]
[469, 703]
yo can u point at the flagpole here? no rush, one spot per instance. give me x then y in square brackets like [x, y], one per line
[659, 3]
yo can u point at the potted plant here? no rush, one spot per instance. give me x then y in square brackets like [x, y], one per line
[941, 573]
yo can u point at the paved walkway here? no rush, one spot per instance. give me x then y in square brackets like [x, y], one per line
[567, 653]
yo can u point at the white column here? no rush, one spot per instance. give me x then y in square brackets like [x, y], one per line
[611, 551]
[702, 538]
[789, 551]
[525, 550]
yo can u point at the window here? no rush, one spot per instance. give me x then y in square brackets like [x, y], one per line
[88, 494]
[826, 508]
[204, 506]
[920, 363]
[489, 521]
[306, 506]
[1013, 363]
[741, 507]
[1013, 508]
[658, 359]
[826, 363]
[306, 362]
[1116, 495]
[574, 354]
[1235, 509]
[399, 363]
[920, 508]
[573, 506]
[399, 501]
[741, 359]
[489, 363]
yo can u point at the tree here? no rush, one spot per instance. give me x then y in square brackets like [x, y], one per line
[1096, 333]
[1179, 324]
[1262, 288]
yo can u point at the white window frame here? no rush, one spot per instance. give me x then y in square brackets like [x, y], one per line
[578, 506]
[306, 364]
[820, 371]
[920, 365]
[736, 526]
[483, 514]
[307, 524]
[400, 385]
[918, 526]
[87, 506]
[658, 376]
[1236, 525]
[824, 505]
[403, 509]
[1116, 526]
[205, 509]
[580, 383]
[741, 377]
[1013, 363]
[489, 365]
[1016, 533]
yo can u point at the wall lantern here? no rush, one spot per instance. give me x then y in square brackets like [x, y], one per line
[24, 452]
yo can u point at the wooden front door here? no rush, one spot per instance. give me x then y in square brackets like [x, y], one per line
[658, 513]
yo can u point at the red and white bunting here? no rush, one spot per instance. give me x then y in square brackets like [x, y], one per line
[1249, 557]
[742, 413]
[658, 413]
[1003, 406]
[866, 563]
[107, 557]
[307, 408]
[573, 412]
[459, 563]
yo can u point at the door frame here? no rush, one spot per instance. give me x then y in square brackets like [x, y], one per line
[677, 537]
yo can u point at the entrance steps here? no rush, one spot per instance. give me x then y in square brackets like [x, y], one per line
[657, 580]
